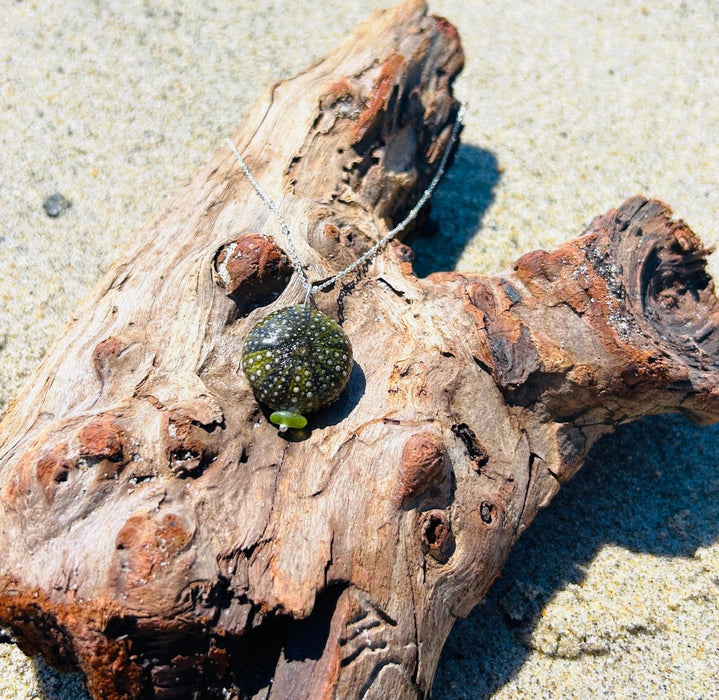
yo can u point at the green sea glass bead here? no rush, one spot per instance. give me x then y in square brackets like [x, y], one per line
[287, 419]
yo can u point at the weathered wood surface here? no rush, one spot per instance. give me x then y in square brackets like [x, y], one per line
[159, 534]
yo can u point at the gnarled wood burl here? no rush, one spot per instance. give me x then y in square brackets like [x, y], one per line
[160, 535]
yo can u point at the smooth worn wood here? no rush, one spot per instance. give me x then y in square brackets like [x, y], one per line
[160, 535]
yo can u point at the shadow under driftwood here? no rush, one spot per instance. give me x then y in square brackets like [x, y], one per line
[459, 205]
[651, 488]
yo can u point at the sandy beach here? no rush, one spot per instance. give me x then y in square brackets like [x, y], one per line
[572, 107]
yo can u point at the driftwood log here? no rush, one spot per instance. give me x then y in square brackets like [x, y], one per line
[160, 535]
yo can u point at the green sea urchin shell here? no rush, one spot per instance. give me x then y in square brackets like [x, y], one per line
[297, 360]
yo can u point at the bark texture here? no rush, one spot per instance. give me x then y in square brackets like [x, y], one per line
[158, 533]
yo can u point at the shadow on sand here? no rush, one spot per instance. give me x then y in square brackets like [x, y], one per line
[633, 490]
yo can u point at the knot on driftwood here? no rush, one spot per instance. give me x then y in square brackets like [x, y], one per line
[253, 271]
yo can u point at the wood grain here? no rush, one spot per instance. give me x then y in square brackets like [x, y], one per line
[162, 537]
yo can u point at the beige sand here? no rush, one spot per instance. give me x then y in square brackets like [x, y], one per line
[573, 106]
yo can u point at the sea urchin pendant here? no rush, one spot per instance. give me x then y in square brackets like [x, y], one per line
[297, 360]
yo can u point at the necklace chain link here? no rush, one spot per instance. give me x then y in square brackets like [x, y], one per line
[309, 287]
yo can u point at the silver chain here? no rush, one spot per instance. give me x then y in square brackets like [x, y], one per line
[310, 288]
